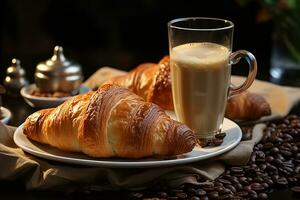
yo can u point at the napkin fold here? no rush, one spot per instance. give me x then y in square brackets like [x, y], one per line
[37, 173]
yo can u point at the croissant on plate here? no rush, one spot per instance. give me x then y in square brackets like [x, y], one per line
[153, 82]
[110, 122]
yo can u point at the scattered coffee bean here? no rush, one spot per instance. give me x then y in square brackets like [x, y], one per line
[181, 195]
[213, 195]
[200, 192]
[220, 135]
[217, 142]
[296, 189]
[257, 187]
[263, 196]
[162, 195]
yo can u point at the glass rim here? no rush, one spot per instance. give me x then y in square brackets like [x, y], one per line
[229, 23]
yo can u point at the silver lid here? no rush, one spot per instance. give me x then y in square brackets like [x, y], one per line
[58, 73]
[15, 77]
[15, 70]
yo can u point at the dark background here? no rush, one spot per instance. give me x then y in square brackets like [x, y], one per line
[121, 34]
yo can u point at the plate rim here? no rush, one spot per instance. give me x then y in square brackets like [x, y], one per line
[123, 164]
[7, 115]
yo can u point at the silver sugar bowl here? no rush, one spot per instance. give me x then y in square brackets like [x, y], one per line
[15, 78]
[58, 74]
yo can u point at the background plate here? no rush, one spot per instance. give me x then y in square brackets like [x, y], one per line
[6, 115]
[233, 137]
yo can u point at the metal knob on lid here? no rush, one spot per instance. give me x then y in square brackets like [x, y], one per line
[58, 74]
[15, 78]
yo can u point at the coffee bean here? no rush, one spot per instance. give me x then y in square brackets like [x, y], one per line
[271, 168]
[269, 158]
[236, 170]
[277, 162]
[173, 198]
[286, 153]
[194, 198]
[181, 195]
[225, 191]
[287, 138]
[224, 181]
[204, 198]
[219, 188]
[294, 149]
[242, 193]
[274, 150]
[220, 135]
[282, 181]
[162, 195]
[236, 198]
[225, 196]
[243, 181]
[263, 196]
[213, 195]
[176, 190]
[231, 188]
[268, 146]
[238, 186]
[200, 192]
[217, 141]
[246, 136]
[257, 187]
[191, 190]
[296, 189]
[136, 195]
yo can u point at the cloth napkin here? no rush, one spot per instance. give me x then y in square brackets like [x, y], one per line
[37, 173]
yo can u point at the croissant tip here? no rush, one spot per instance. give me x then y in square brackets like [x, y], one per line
[187, 142]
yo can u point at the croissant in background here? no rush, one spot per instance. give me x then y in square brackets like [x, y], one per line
[111, 122]
[247, 106]
[153, 82]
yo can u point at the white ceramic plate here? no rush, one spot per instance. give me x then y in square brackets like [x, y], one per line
[233, 137]
[45, 102]
[6, 114]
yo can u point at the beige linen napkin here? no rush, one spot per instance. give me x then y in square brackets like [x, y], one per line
[37, 173]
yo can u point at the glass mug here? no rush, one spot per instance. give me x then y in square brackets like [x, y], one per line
[201, 58]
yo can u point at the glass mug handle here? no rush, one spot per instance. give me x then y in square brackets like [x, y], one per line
[235, 58]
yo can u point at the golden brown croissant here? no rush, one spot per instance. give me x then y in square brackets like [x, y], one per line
[247, 105]
[111, 122]
[153, 82]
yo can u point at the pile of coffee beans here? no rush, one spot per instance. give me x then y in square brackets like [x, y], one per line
[274, 164]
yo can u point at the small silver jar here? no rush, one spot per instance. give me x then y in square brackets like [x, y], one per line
[58, 74]
[15, 78]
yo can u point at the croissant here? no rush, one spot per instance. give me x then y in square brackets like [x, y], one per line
[153, 83]
[110, 122]
[247, 105]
